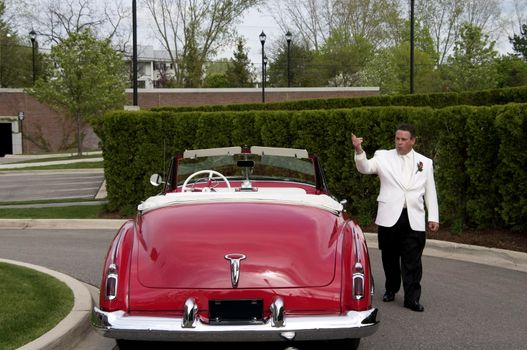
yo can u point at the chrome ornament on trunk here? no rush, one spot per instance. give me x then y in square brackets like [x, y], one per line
[235, 259]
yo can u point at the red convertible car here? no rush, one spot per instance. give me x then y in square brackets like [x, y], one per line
[241, 245]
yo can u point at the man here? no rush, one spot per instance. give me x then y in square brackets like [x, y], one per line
[407, 186]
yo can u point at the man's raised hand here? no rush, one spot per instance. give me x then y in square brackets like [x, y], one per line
[357, 143]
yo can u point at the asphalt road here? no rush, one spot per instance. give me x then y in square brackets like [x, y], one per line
[467, 305]
[49, 184]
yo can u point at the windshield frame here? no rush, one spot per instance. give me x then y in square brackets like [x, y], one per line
[314, 177]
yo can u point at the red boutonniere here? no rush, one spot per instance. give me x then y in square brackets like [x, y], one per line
[419, 167]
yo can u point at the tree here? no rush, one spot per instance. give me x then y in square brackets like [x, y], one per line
[239, 71]
[217, 80]
[442, 17]
[390, 67]
[484, 14]
[472, 66]
[375, 21]
[192, 31]
[15, 57]
[315, 20]
[90, 79]
[55, 20]
[342, 57]
[512, 71]
[312, 20]
[519, 42]
[390, 71]
[305, 68]
[445, 18]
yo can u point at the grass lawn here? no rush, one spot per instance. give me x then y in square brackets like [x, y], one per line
[31, 304]
[82, 165]
[52, 159]
[70, 212]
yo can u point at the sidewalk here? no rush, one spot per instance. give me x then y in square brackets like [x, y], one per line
[16, 158]
[506, 259]
[6, 166]
[482, 255]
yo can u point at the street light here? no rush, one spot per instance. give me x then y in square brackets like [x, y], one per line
[411, 46]
[265, 69]
[21, 116]
[264, 62]
[288, 37]
[33, 37]
[134, 52]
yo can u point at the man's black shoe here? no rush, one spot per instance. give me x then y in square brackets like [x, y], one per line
[414, 306]
[388, 296]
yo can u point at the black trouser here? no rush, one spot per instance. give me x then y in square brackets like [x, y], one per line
[401, 251]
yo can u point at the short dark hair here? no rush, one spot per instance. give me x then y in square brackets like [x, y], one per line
[407, 127]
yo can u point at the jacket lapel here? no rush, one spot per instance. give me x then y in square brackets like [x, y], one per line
[414, 168]
[395, 167]
[415, 172]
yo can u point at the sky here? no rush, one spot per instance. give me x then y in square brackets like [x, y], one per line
[257, 20]
[250, 27]
[253, 23]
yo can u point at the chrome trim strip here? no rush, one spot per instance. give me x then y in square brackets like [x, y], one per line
[118, 324]
[357, 245]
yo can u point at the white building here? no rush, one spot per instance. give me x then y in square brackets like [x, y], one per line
[151, 65]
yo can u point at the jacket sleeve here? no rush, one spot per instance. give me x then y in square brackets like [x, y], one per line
[431, 196]
[365, 165]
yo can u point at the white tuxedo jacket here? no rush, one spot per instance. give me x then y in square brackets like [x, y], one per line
[393, 194]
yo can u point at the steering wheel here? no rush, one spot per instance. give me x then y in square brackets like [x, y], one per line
[184, 188]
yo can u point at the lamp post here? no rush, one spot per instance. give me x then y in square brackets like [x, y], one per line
[21, 116]
[411, 46]
[264, 62]
[265, 69]
[134, 52]
[33, 37]
[288, 37]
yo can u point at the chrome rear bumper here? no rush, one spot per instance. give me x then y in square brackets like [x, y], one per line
[119, 325]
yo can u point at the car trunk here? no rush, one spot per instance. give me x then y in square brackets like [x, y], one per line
[285, 246]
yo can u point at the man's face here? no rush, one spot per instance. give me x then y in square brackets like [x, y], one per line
[403, 141]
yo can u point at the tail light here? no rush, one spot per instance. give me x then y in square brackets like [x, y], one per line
[111, 282]
[358, 282]
[358, 270]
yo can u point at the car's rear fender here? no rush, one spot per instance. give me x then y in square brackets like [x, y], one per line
[357, 286]
[116, 270]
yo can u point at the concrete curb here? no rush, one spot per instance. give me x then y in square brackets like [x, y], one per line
[73, 327]
[506, 259]
[65, 224]
[55, 162]
[482, 255]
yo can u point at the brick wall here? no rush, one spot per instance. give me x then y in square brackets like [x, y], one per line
[148, 98]
[45, 130]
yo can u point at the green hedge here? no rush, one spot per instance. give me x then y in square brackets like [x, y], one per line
[435, 100]
[479, 152]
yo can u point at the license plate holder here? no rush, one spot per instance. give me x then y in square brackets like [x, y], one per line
[235, 311]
